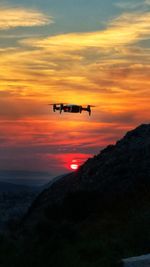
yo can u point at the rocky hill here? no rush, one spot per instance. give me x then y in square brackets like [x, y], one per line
[118, 171]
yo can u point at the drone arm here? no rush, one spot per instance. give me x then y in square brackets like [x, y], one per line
[80, 109]
[54, 107]
[61, 108]
[89, 109]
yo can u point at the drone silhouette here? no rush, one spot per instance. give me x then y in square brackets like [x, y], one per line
[71, 108]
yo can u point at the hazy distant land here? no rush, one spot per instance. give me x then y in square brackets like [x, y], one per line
[18, 189]
[23, 177]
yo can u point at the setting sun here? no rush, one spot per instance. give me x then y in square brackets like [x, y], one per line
[74, 166]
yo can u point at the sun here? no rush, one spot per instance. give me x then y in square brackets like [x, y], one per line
[74, 165]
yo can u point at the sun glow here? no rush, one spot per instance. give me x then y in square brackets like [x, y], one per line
[74, 166]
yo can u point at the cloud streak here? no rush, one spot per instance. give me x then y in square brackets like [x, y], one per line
[129, 5]
[133, 5]
[11, 17]
[124, 30]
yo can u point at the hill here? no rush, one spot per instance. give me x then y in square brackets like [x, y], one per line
[24, 177]
[120, 171]
[94, 216]
[11, 187]
[15, 200]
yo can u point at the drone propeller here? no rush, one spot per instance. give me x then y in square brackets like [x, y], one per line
[51, 104]
[88, 105]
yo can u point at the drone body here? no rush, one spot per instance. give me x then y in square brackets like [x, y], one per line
[71, 108]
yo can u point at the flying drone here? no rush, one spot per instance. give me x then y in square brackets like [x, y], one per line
[71, 108]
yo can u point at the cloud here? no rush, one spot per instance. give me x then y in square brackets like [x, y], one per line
[147, 2]
[47, 144]
[11, 17]
[108, 67]
[133, 4]
[129, 5]
[124, 30]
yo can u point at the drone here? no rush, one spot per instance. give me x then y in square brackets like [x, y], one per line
[71, 108]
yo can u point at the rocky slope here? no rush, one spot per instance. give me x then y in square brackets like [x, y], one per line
[119, 171]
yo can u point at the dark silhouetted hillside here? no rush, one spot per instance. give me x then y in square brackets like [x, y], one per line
[92, 217]
[119, 172]
[15, 200]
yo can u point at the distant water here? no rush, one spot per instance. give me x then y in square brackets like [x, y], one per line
[29, 178]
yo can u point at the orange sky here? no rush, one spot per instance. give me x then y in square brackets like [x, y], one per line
[108, 68]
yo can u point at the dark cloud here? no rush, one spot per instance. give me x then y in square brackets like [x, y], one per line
[120, 117]
[15, 108]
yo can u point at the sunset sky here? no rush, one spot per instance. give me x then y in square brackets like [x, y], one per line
[73, 51]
